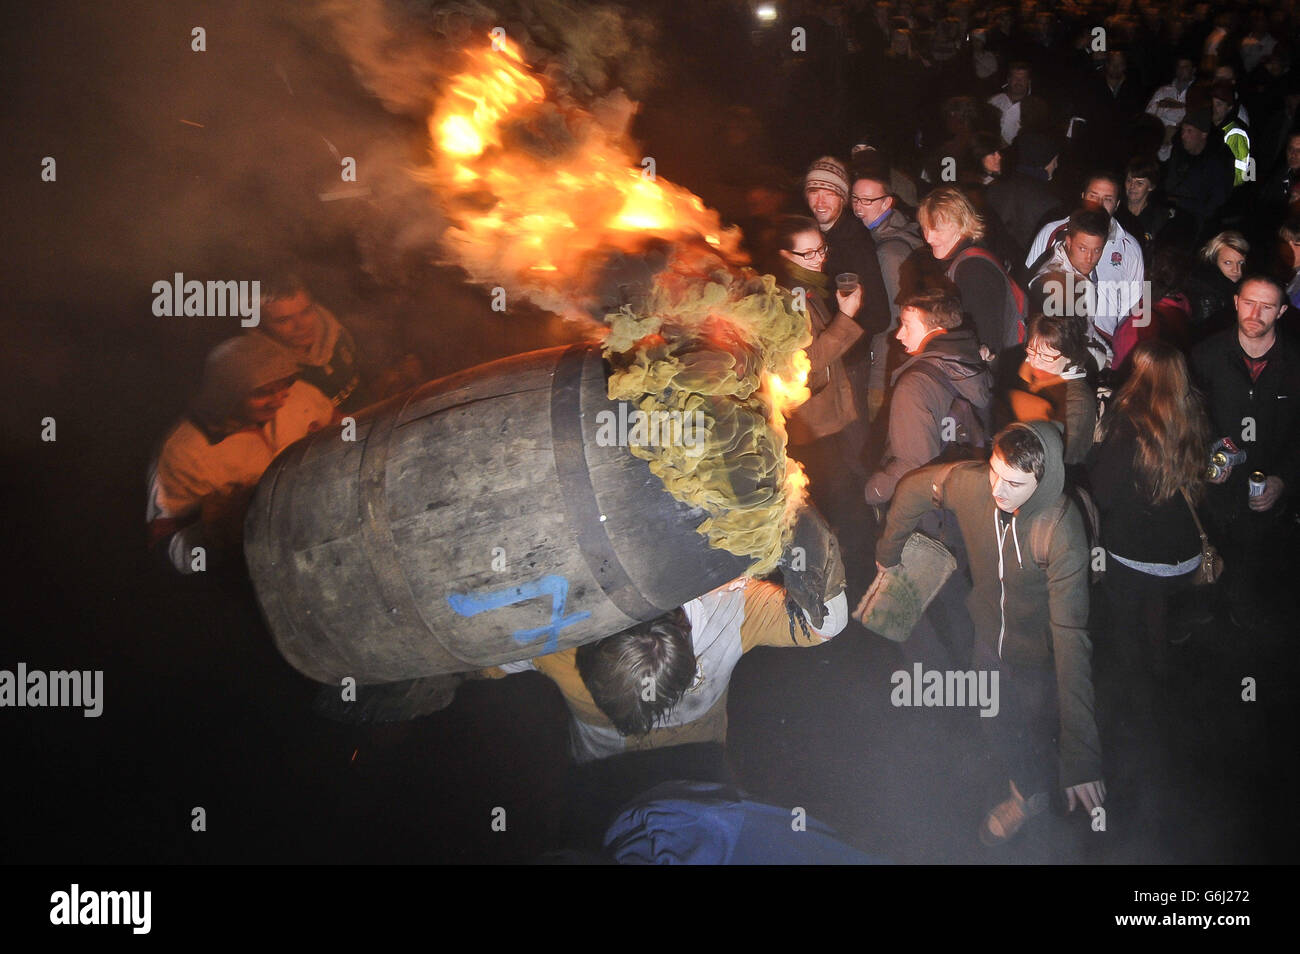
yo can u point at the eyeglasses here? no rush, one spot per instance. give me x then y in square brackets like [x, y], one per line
[1045, 356]
[818, 252]
[866, 200]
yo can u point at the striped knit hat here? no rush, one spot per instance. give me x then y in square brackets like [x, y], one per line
[828, 173]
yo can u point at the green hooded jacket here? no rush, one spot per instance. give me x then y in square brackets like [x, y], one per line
[1033, 616]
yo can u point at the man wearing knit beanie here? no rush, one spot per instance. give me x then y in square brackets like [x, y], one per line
[851, 249]
[830, 174]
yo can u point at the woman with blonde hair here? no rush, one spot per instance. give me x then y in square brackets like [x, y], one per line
[1214, 282]
[1146, 475]
[1227, 252]
[953, 229]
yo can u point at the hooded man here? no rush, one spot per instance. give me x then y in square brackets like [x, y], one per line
[1029, 563]
[250, 407]
[944, 368]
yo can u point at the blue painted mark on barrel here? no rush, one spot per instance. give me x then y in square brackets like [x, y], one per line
[552, 585]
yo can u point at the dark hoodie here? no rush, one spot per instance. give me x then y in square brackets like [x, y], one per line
[920, 403]
[1029, 615]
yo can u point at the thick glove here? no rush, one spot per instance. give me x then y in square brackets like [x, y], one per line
[812, 567]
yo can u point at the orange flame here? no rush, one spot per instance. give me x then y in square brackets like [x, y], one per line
[785, 396]
[528, 217]
[537, 189]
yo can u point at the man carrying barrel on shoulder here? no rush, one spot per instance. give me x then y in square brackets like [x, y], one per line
[250, 407]
[664, 682]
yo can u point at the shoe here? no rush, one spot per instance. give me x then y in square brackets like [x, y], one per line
[1007, 818]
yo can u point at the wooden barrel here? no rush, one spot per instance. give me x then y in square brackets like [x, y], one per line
[473, 521]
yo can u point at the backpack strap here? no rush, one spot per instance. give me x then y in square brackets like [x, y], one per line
[1019, 300]
[934, 374]
[939, 480]
[1044, 529]
[1052, 239]
[929, 369]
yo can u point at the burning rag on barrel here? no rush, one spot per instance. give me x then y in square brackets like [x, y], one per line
[705, 346]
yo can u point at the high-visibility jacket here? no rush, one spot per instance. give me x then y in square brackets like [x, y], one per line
[1237, 139]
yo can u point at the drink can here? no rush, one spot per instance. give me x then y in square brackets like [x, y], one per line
[1256, 484]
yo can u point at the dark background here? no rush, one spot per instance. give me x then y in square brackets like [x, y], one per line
[199, 709]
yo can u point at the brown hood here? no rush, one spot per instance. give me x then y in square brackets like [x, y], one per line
[233, 370]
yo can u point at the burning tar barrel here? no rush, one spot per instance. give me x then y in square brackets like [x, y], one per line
[481, 518]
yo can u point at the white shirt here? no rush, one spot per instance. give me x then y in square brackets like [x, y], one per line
[1120, 273]
[1169, 115]
[1010, 116]
[715, 620]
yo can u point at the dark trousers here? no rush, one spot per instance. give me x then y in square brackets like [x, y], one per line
[836, 489]
[1140, 618]
[857, 435]
[1258, 575]
[1023, 733]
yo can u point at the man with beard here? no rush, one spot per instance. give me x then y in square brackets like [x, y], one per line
[851, 249]
[1250, 378]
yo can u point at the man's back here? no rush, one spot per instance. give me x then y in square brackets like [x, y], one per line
[725, 624]
[1024, 204]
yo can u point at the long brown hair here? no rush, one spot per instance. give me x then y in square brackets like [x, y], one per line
[1172, 429]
